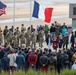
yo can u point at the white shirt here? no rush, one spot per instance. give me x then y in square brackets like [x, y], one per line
[15, 55]
[12, 59]
[74, 66]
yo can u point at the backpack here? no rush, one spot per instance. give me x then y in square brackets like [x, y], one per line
[43, 60]
[66, 58]
[51, 60]
[32, 57]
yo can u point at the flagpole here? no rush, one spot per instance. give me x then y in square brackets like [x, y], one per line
[14, 17]
[30, 12]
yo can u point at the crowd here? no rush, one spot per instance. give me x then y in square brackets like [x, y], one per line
[19, 50]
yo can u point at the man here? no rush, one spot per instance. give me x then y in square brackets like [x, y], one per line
[52, 30]
[28, 37]
[33, 39]
[41, 39]
[52, 62]
[1, 36]
[72, 40]
[32, 59]
[46, 30]
[57, 26]
[20, 60]
[23, 29]
[18, 34]
[65, 41]
[14, 41]
[9, 35]
[49, 41]
[5, 33]
[44, 62]
[22, 37]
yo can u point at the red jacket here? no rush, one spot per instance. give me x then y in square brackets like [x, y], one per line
[34, 56]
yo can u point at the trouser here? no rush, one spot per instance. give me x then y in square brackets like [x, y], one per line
[33, 44]
[66, 46]
[12, 69]
[5, 39]
[27, 43]
[41, 44]
[52, 34]
[72, 44]
[44, 68]
[59, 68]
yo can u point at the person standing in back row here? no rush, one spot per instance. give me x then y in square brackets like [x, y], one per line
[52, 30]
[72, 40]
[5, 31]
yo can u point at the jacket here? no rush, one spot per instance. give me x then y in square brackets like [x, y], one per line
[35, 58]
[20, 60]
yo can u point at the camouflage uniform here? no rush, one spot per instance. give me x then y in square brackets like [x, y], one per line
[14, 41]
[9, 37]
[5, 34]
[1, 37]
[18, 35]
[22, 37]
[41, 39]
[23, 29]
[33, 39]
[28, 38]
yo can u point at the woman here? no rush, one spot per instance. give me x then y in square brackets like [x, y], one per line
[60, 41]
[55, 42]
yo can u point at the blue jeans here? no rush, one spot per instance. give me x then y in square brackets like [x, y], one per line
[52, 34]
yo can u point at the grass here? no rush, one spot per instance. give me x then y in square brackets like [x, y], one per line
[32, 72]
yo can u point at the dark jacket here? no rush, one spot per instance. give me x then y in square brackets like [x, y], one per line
[20, 60]
[72, 38]
[5, 62]
[52, 29]
[43, 60]
[2, 54]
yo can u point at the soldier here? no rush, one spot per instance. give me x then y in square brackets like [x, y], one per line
[9, 37]
[28, 37]
[23, 28]
[5, 33]
[33, 38]
[14, 41]
[1, 37]
[41, 39]
[22, 37]
[17, 33]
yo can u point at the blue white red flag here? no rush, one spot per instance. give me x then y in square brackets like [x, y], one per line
[42, 12]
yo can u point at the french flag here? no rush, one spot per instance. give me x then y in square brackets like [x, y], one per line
[42, 13]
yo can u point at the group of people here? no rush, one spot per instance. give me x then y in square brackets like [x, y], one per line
[19, 49]
[24, 58]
